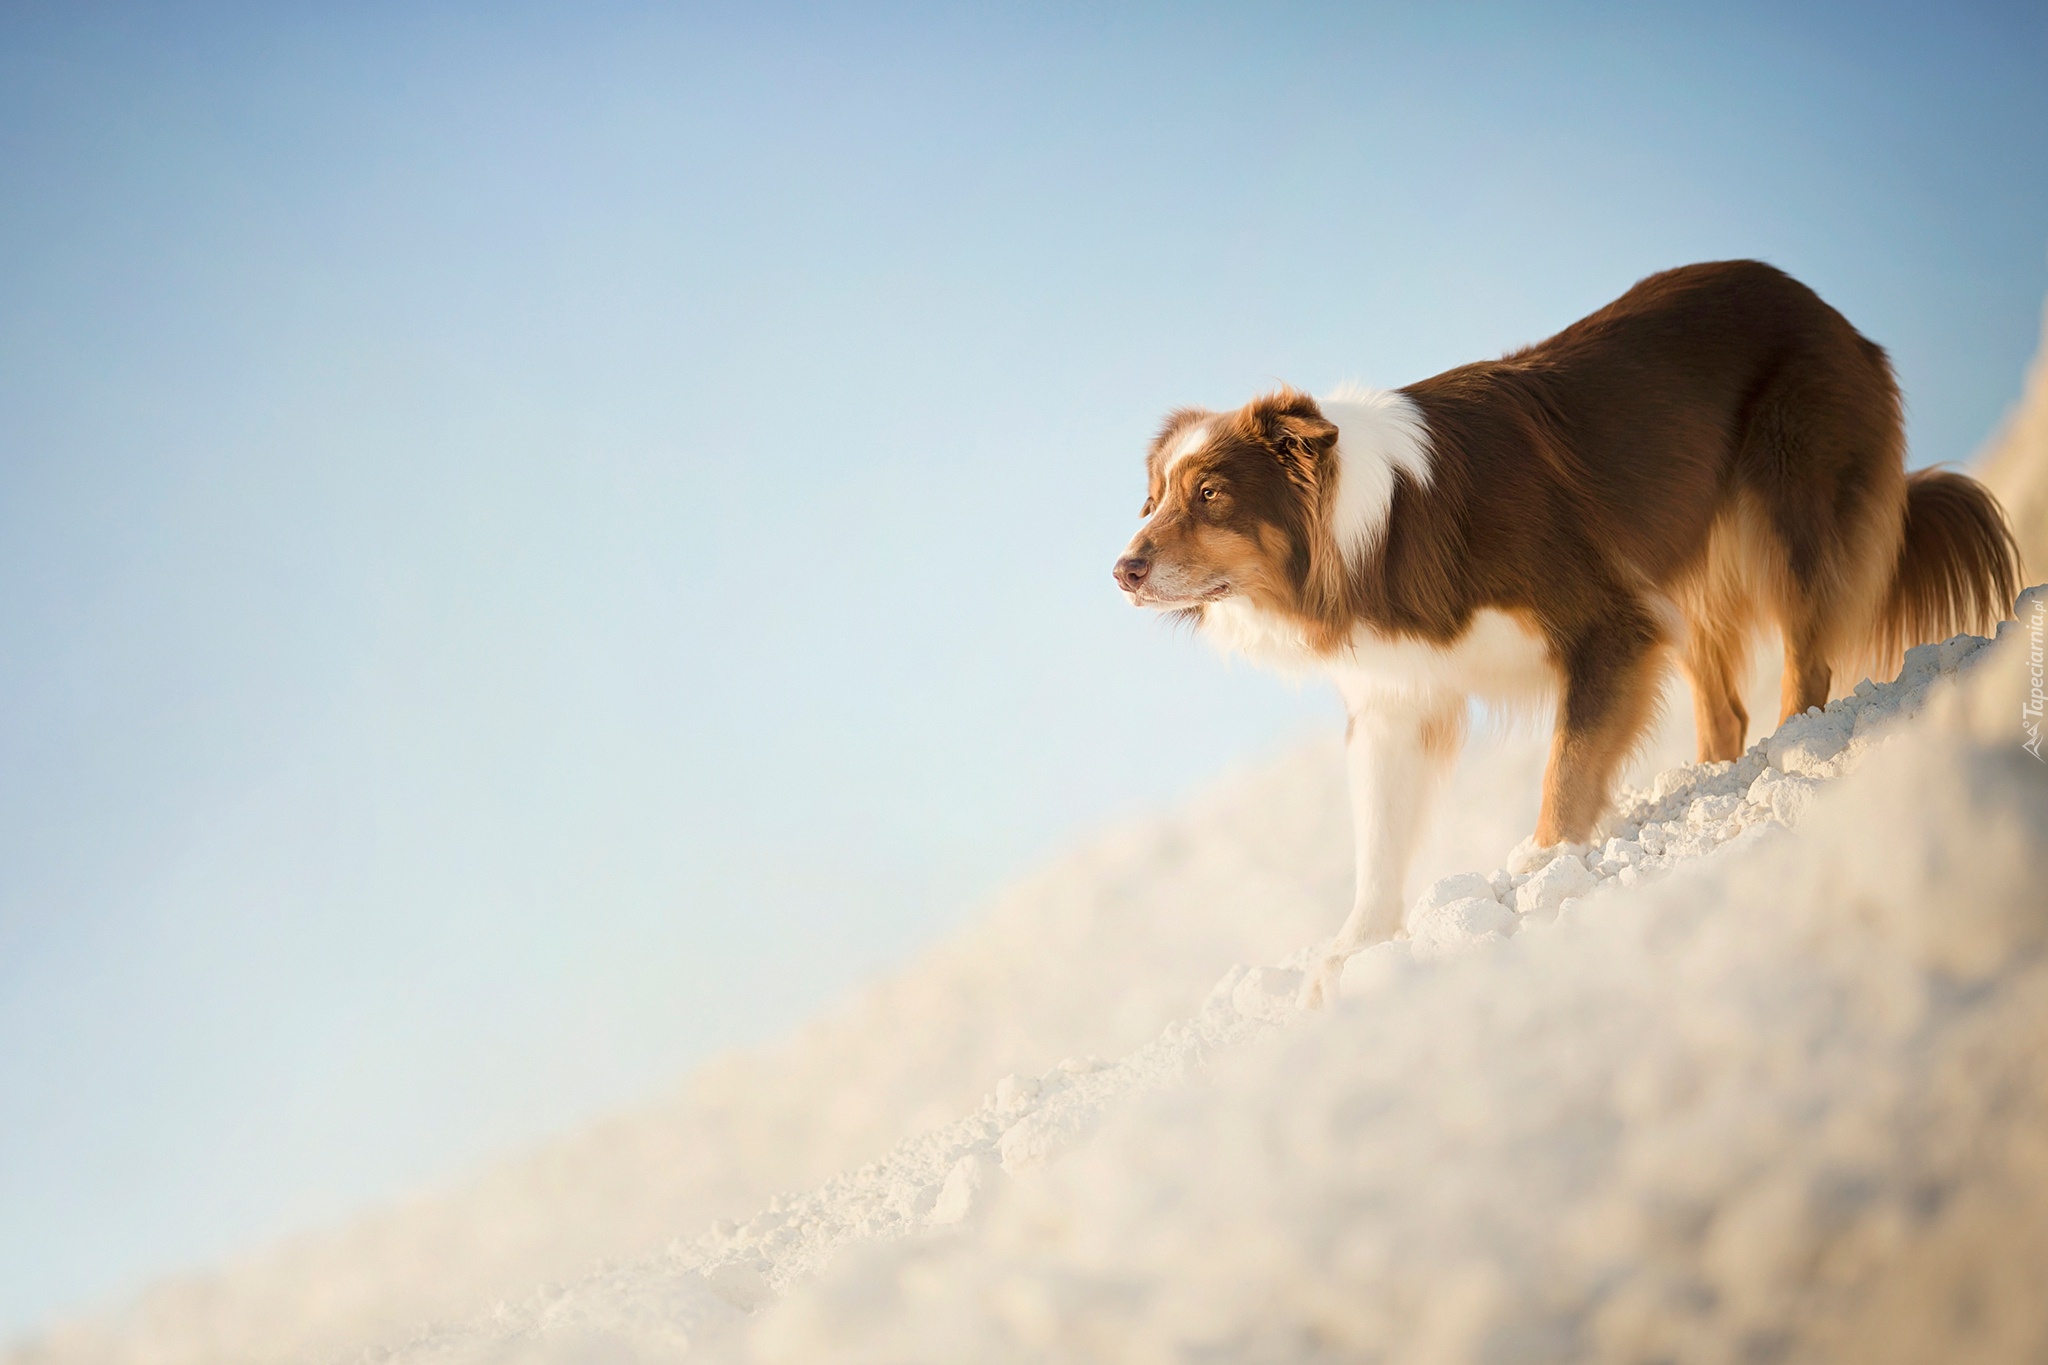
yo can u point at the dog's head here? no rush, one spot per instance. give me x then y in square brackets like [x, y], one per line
[1233, 505]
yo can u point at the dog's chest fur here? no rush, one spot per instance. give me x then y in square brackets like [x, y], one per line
[1497, 658]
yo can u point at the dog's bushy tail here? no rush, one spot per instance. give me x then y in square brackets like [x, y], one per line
[1958, 567]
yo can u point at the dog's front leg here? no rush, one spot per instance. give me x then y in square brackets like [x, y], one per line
[1395, 753]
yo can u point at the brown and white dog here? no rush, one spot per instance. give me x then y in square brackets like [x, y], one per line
[1715, 447]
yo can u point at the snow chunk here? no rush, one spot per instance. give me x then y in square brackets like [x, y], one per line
[962, 1190]
[1784, 796]
[1806, 743]
[1379, 968]
[1266, 991]
[740, 1284]
[1562, 877]
[1456, 888]
[1463, 923]
[1014, 1092]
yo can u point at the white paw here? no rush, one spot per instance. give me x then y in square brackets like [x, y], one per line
[1530, 856]
[1321, 983]
[1527, 856]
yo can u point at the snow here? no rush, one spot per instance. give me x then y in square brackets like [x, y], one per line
[1712, 1090]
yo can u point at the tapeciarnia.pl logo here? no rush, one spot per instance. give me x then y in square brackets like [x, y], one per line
[2030, 713]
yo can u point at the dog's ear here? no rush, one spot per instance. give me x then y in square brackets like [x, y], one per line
[1295, 430]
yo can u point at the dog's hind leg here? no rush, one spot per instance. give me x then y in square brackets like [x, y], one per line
[1809, 602]
[1611, 669]
[1716, 602]
[1713, 658]
[1808, 677]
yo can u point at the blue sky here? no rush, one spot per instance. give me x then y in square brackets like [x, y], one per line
[537, 543]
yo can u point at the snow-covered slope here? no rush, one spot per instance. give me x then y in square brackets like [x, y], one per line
[1670, 1095]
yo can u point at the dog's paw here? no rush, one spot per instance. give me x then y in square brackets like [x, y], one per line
[1530, 856]
[1320, 985]
[1527, 856]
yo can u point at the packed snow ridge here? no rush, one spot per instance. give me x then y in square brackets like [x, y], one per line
[955, 1245]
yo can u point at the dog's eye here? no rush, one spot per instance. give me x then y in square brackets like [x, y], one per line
[1208, 493]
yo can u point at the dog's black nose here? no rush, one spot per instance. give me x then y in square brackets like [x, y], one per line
[1131, 570]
